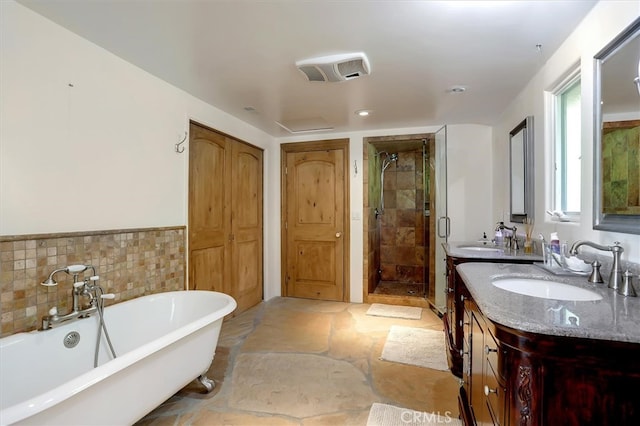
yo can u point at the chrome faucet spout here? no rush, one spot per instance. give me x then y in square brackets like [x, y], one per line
[615, 277]
[574, 247]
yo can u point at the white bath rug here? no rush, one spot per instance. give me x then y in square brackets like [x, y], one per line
[389, 415]
[416, 346]
[394, 311]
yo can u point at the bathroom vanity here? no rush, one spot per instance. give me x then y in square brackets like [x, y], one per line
[458, 253]
[533, 360]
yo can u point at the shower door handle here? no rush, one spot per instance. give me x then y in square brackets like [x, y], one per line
[447, 222]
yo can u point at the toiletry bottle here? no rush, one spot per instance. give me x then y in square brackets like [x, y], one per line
[554, 242]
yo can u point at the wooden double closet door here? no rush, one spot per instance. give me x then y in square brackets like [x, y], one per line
[225, 216]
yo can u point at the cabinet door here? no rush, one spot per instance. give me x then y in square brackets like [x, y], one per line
[478, 401]
[466, 351]
[493, 391]
[451, 302]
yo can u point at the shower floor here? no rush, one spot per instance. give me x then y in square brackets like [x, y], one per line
[396, 288]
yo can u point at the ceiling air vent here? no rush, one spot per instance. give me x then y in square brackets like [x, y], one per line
[335, 67]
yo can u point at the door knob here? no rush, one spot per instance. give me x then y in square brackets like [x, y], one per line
[338, 234]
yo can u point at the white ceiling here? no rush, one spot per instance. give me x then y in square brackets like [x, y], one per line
[240, 54]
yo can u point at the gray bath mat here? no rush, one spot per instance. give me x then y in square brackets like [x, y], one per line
[416, 346]
[394, 311]
[389, 415]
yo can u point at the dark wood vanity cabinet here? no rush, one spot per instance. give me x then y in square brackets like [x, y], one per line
[452, 318]
[484, 377]
[511, 377]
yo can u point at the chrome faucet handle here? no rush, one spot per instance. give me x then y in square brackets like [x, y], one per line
[626, 289]
[595, 276]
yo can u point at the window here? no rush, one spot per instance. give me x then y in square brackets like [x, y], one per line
[567, 148]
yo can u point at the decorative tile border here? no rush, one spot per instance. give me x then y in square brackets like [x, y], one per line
[130, 263]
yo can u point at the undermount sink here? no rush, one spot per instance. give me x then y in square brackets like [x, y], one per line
[546, 289]
[480, 248]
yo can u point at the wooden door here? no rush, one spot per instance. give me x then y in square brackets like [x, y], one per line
[315, 225]
[225, 216]
[209, 210]
[246, 225]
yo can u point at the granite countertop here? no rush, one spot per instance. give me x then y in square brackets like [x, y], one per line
[614, 317]
[486, 250]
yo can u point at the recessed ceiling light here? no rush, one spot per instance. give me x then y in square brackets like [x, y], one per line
[363, 112]
[457, 89]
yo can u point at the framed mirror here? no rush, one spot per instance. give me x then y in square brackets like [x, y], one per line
[521, 170]
[616, 176]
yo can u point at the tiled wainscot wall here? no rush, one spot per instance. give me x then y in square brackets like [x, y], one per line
[130, 263]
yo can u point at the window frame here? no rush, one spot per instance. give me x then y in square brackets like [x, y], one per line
[555, 130]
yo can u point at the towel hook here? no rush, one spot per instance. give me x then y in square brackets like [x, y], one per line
[178, 150]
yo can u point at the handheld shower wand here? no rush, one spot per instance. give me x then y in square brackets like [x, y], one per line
[390, 158]
[71, 270]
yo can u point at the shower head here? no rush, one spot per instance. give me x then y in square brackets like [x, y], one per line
[390, 159]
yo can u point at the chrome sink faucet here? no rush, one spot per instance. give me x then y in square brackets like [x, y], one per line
[512, 241]
[615, 277]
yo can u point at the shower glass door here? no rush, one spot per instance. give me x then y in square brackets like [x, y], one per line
[442, 220]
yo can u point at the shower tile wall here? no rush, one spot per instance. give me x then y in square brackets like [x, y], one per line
[130, 263]
[402, 236]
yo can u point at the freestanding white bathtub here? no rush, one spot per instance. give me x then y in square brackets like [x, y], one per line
[162, 342]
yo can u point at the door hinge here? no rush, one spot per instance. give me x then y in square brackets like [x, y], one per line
[286, 170]
[286, 225]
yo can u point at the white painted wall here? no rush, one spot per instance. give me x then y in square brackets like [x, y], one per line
[604, 22]
[469, 177]
[99, 155]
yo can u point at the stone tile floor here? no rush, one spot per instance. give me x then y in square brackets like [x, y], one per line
[303, 362]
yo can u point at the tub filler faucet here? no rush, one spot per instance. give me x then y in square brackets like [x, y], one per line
[615, 277]
[81, 288]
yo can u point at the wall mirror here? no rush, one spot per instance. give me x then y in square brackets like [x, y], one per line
[616, 176]
[521, 170]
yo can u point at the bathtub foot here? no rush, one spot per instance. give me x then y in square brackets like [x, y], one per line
[207, 382]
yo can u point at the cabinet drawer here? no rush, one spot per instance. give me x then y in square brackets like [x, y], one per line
[491, 349]
[494, 394]
[466, 364]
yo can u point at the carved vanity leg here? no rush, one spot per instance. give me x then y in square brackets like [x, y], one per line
[524, 394]
[206, 382]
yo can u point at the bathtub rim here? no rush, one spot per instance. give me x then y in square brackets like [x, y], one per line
[27, 408]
